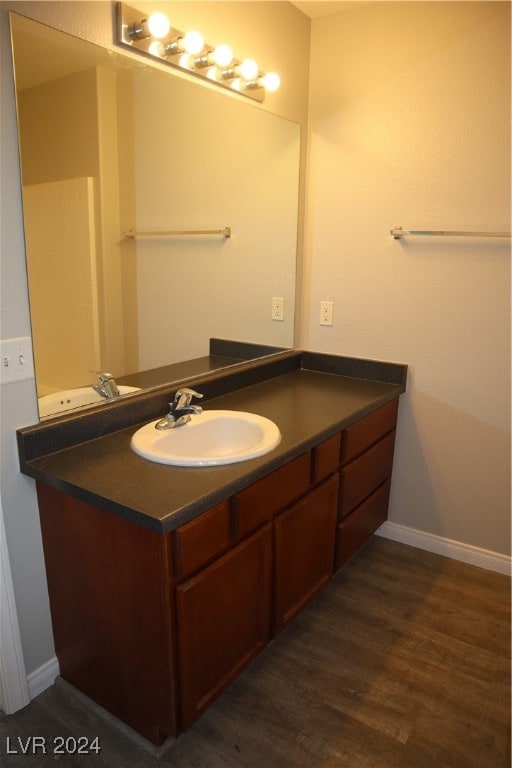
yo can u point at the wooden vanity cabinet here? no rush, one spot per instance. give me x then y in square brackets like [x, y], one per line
[366, 457]
[112, 611]
[155, 626]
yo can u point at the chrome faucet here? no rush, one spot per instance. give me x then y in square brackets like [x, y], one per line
[180, 409]
[107, 387]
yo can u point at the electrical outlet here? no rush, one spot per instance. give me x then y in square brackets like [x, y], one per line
[277, 308]
[16, 361]
[326, 310]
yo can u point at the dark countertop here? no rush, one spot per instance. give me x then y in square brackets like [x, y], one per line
[307, 405]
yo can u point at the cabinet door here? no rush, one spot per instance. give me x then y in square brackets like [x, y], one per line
[223, 622]
[304, 551]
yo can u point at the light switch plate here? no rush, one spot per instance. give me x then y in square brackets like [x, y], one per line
[16, 361]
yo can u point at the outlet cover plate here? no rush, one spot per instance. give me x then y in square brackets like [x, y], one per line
[326, 312]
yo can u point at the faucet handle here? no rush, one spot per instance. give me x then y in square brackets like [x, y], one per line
[102, 375]
[180, 409]
[183, 397]
[107, 387]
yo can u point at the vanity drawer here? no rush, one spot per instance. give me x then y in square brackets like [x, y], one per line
[201, 540]
[356, 529]
[326, 458]
[258, 504]
[360, 436]
[364, 474]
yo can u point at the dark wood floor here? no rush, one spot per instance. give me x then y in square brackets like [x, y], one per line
[402, 662]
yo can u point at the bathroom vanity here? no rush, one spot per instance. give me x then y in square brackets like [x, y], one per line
[165, 582]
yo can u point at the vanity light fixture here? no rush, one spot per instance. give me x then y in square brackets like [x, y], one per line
[155, 37]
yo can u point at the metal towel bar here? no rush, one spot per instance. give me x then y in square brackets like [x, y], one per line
[398, 233]
[225, 232]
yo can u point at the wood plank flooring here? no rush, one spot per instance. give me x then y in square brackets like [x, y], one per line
[402, 662]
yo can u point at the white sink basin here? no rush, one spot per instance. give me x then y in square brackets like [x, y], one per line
[74, 398]
[210, 438]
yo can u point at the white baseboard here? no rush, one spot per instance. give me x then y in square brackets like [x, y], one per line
[457, 550]
[42, 677]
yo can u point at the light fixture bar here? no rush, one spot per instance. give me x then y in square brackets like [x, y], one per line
[134, 31]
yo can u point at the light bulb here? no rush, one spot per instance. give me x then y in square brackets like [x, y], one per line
[248, 69]
[271, 81]
[222, 56]
[156, 48]
[193, 42]
[186, 61]
[158, 25]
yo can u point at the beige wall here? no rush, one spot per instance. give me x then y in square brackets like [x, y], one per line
[411, 127]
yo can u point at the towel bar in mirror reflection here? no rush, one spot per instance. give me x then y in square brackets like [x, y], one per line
[225, 232]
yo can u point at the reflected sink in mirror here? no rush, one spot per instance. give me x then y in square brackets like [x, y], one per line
[67, 399]
[210, 438]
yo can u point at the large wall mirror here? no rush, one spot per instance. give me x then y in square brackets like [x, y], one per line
[110, 145]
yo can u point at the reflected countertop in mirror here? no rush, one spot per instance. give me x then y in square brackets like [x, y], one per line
[222, 354]
[109, 145]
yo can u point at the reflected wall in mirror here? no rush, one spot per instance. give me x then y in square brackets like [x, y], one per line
[109, 145]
